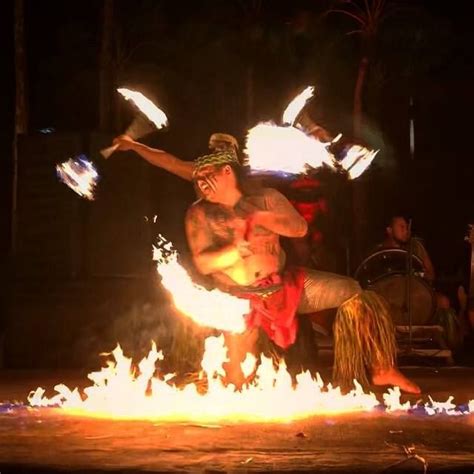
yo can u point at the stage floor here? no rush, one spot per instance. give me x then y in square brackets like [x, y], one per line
[41, 441]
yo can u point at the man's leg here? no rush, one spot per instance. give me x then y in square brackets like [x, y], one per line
[238, 345]
[364, 337]
[324, 290]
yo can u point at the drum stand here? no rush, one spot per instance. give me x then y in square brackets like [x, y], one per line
[434, 330]
[407, 306]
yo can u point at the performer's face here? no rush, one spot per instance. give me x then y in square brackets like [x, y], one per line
[399, 230]
[213, 182]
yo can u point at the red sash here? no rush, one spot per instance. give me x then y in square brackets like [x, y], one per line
[275, 311]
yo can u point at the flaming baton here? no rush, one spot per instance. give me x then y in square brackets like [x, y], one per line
[202, 306]
[296, 106]
[153, 113]
[80, 175]
[273, 148]
[357, 160]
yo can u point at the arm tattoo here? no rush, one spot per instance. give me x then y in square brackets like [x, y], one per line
[285, 215]
[209, 227]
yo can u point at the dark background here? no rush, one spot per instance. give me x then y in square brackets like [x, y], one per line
[212, 66]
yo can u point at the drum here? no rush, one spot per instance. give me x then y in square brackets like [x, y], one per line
[385, 272]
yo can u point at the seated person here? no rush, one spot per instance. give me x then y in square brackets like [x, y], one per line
[398, 235]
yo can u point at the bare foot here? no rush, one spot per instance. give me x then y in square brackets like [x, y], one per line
[394, 377]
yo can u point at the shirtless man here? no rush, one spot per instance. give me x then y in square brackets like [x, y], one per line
[235, 239]
[398, 235]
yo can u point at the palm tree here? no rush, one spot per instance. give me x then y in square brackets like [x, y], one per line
[21, 109]
[369, 15]
[106, 67]
[252, 31]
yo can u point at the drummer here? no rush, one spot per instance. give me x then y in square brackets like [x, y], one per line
[398, 235]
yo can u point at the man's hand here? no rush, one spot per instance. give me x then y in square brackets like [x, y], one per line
[313, 129]
[243, 247]
[124, 143]
[240, 237]
[251, 216]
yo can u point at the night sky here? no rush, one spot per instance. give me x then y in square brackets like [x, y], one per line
[194, 59]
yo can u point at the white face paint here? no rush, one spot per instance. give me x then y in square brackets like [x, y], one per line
[207, 181]
[215, 182]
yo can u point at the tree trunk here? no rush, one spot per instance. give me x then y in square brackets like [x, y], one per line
[358, 94]
[359, 201]
[106, 79]
[250, 93]
[21, 110]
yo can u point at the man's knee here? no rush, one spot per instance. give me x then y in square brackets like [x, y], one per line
[352, 288]
[356, 288]
[238, 346]
[325, 290]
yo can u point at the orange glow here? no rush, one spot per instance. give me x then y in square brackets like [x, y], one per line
[212, 308]
[123, 391]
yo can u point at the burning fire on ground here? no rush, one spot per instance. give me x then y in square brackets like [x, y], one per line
[122, 390]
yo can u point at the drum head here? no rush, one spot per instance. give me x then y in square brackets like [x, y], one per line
[386, 262]
[393, 289]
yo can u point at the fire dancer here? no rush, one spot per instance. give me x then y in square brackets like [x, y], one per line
[234, 237]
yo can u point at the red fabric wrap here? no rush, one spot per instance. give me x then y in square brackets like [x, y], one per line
[276, 313]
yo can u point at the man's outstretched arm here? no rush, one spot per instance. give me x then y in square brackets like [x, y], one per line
[160, 158]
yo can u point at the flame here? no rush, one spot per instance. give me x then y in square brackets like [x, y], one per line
[271, 148]
[296, 105]
[80, 175]
[357, 160]
[146, 106]
[392, 400]
[121, 391]
[285, 149]
[205, 307]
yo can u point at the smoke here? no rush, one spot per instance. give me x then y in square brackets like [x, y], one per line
[134, 328]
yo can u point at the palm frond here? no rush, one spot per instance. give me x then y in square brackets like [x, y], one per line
[358, 18]
[355, 32]
[368, 11]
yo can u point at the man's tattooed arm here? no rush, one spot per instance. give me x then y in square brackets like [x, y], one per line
[280, 216]
[207, 258]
